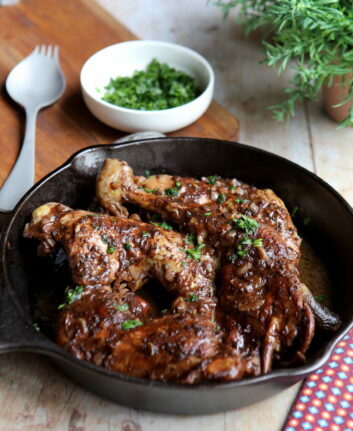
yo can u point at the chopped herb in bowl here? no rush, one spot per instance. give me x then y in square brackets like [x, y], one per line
[157, 87]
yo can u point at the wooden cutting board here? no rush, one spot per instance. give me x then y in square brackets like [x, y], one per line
[80, 28]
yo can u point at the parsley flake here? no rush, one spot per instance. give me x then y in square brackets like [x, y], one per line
[207, 214]
[320, 298]
[212, 179]
[192, 297]
[190, 239]
[163, 225]
[221, 198]
[150, 191]
[241, 201]
[122, 307]
[173, 191]
[71, 295]
[245, 241]
[127, 246]
[111, 249]
[195, 253]
[145, 234]
[257, 242]
[246, 224]
[130, 324]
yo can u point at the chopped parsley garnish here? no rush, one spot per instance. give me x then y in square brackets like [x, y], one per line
[130, 324]
[122, 307]
[242, 252]
[71, 295]
[146, 173]
[150, 191]
[221, 198]
[257, 242]
[192, 297]
[232, 188]
[190, 239]
[294, 212]
[247, 224]
[165, 310]
[145, 234]
[207, 214]
[239, 253]
[195, 253]
[173, 191]
[159, 86]
[212, 179]
[163, 225]
[95, 226]
[104, 239]
[127, 246]
[234, 257]
[241, 201]
[245, 241]
[321, 298]
[183, 264]
[111, 249]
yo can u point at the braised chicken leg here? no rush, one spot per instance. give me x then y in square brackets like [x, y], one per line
[103, 250]
[255, 238]
[106, 323]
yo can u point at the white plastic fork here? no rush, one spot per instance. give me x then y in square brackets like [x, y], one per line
[34, 83]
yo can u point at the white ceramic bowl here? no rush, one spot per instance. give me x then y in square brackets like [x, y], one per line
[123, 59]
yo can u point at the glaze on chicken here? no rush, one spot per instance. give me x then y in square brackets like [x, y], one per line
[258, 246]
[238, 308]
[108, 324]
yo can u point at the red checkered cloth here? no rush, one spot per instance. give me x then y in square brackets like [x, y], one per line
[325, 400]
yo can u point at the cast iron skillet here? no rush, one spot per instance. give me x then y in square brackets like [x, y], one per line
[330, 233]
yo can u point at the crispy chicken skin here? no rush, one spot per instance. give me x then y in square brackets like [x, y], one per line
[176, 347]
[241, 236]
[183, 345]
[260, 286]
[102, 250]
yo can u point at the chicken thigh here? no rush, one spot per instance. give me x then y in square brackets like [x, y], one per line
[253, 235]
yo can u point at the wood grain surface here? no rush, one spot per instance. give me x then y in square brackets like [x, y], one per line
[34, 395]
[80, 28]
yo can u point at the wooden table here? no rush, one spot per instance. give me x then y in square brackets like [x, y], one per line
[34, 395]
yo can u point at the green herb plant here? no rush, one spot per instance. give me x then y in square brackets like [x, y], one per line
[158, 87]
[313, 37]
